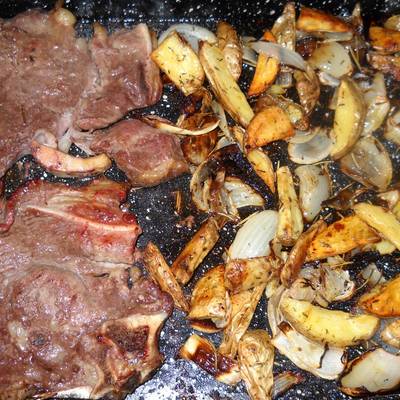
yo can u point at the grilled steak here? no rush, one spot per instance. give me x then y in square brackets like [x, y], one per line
[51, 80]
[75, 317]
[147, 155]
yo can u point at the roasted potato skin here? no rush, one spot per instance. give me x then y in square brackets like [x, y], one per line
[383, 300]
[340, 237]
[229, 43]
[311, 20]
[180, 63]
[336, 328]
[195, 251]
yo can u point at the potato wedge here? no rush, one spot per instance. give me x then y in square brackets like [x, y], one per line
[224, 85]
[333, 327]
[262, 166]
[383, 300]
[245, 274]
[270, 124]
[391, 334]
[290, 222]
[386, 41]
[311, 20]
[203, 353]
[384, 221]
[180, 63]
[349, 118]
[243, 307]
[210, 300]
[229, 43]
[267, 70]
[195, 251]
[256, 361]
[297, 255]
[340, 237]
[161, 273]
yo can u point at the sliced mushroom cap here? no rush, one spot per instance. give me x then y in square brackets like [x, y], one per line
[368, 163]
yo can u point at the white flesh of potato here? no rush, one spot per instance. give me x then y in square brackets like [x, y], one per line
[376, 371]
[332, 58]
[314, 189]
[254, 236]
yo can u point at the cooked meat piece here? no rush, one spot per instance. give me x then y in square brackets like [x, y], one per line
[147, 155]
[44, 70]
[51, 80]
[75, 317]
[128, 78]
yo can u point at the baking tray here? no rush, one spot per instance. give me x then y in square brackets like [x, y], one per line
[154, 207]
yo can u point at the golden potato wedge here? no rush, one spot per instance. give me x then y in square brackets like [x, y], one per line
[203, 353]
[244, 274]
[180, 63]
[229, 43]
[210, 300]
[384, 221]
[256, 361]
[391, 334]
[383, 300]
[340, 237]
[290, 222]
[298, 254]
[270, 124]
[311, 20]
[224, 85]
[349, 118]
[161, 273]
[267, 70]
[262, 166]
[195, 251]
[337, 328]
[243, 307]
[386, 41]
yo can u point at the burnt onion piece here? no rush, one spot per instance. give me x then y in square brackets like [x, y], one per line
[368, 163]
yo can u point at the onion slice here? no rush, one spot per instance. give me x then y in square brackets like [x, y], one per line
[192, 33]
[166, 126]
[283, 54]
[242, 195]
[254, 236]
[376, 371]
[392, 129]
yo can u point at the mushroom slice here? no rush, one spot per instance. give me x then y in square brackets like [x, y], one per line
[243, 307]
[391, 334]
[61, 164]
[195, 251]
[383, 300]
[337, 328]
[308, 88]
[314, 189]
[368, 163]
[340, 237]
[290, 223]
[392, 129]
[254, 236]
[384, 221]
[203, 353]
[161, 273]
[378, 104]
[376, 371]
[229, 43]
[210, 300]
[256, 361]
[311, 151]
[331, 58]
[298, 254]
